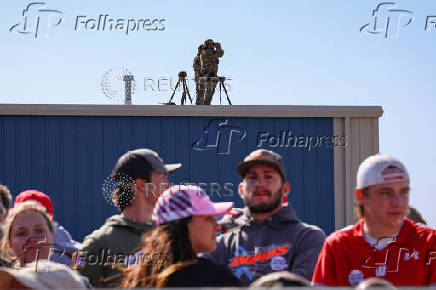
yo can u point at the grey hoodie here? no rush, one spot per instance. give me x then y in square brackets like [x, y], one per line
[282, 242]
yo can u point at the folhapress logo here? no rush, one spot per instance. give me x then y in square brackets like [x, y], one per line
[37, 20]
[387, 20]
[106, 23]
[219, 136]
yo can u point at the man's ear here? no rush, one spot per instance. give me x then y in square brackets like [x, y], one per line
[286, 188]
[140, 184]
[240, 186]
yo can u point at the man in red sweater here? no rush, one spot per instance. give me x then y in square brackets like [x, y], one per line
[383, 243]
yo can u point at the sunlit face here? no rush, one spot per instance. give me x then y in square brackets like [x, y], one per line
[30, 237]
[202, 233]
[386, 204]
[262, 189]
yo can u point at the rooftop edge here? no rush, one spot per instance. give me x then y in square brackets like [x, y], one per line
[190, 110]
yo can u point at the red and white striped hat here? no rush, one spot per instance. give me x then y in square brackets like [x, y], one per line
[380, 169]
[181, 201]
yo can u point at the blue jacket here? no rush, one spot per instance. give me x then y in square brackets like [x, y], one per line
[64, 245]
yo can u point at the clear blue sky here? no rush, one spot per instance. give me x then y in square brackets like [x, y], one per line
[276, 52]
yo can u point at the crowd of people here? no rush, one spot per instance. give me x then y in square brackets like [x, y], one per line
[169, 236]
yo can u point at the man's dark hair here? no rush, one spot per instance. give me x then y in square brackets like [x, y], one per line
[128, 168]
[123, 196]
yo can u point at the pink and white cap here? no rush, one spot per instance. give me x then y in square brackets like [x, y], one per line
[180, 201]
[379, 169]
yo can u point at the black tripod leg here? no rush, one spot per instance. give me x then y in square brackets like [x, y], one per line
[225, 90]
[185, 89]
[220, 94]
[174, 92]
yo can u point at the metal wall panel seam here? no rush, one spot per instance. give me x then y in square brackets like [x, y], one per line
[347, 171]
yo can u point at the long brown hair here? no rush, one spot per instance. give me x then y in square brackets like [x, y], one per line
[170, 240]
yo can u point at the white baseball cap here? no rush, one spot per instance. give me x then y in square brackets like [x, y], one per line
[379, 169]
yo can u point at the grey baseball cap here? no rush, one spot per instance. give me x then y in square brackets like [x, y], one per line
[140, 163]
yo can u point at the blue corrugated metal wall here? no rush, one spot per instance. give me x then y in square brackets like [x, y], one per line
[70, 157]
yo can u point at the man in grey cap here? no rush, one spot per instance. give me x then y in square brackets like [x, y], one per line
[268, 236]
[141, 177]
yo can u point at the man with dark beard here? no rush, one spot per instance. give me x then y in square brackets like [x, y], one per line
[268, 236]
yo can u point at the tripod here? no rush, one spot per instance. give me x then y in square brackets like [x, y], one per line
[182, 78]
[221, 80]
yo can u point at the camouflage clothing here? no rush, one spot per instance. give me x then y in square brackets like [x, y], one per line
[206, 90]
[209, 61]
[206, 69]
[197, 65]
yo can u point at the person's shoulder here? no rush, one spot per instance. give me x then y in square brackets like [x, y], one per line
[61, 231]
[342, 235]
[306, 231]
[309, 227]
[63, 238]
[420, 230]
[102, 235]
